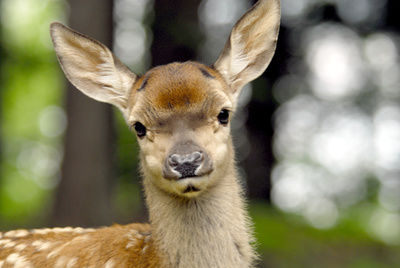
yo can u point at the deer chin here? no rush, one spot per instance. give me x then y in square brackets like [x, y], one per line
[190, 187]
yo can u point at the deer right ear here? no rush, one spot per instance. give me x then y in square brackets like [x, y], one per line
[92, 67]
[251, 45]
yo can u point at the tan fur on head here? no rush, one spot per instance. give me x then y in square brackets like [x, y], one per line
[181, 114]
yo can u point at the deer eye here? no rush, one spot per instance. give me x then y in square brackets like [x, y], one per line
[140, 129]
[223, 117]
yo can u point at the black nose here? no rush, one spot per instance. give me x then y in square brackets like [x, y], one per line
[186, 165]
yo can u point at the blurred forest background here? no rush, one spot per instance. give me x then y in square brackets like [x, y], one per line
[317, 136]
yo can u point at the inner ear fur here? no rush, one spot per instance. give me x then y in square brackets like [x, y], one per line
[92, 67]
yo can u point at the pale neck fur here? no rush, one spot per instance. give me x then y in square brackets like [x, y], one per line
[209, 231]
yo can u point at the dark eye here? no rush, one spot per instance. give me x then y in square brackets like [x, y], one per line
[223, 117]
[140, 129]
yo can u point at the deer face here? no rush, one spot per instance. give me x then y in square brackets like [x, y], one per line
[180, 113]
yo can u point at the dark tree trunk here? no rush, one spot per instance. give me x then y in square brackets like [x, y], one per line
[83, 196]
[258, 165]
[176, 31]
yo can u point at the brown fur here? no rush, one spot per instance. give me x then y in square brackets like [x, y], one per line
[178, 88]
[172, 86]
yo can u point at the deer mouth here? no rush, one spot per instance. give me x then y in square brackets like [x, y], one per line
[190, 189]
[190, 186]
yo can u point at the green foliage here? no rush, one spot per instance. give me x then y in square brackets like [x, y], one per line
[287, 241]
[31, 91]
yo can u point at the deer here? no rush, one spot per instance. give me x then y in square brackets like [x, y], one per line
[181, 114]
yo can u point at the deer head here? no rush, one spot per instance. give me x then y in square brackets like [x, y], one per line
[181, 111]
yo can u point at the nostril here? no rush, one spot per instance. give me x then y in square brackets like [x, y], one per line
[197, 156]
[174, 160]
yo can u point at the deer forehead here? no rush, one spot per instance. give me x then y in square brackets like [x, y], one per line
[176, 90]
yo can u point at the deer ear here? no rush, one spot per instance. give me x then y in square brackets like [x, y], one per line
[251, 45]
[92, 67]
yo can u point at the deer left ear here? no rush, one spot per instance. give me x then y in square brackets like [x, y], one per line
[251, 45]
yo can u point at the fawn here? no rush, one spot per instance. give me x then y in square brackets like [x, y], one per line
[181, 115]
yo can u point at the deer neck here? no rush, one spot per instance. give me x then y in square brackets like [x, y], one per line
[208, 231]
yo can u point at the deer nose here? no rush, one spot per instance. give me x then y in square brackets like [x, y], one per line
[186, 165]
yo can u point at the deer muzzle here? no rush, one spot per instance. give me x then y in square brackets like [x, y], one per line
[186, 160]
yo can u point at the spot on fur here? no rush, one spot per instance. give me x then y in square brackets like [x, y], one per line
[4, 242]
[41, 246]
[21, 247]
[10, 244]
[17, 233]
[72, 262]
[61, 261]
[12, 258]
[109, 264]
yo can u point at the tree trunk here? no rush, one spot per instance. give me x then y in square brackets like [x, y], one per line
[83, 197]
[176, 31]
